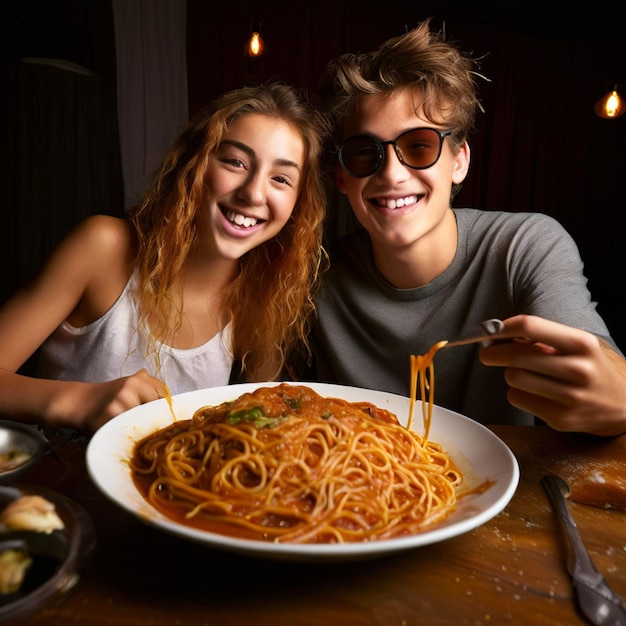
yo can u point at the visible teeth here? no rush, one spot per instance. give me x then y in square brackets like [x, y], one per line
[240, 220]
[398, 202]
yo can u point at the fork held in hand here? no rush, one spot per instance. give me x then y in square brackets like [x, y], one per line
[596, 600]
[491, 327]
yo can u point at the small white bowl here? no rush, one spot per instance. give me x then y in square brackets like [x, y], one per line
[21, 447]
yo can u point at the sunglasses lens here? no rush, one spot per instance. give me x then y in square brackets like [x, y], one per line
[361, 156]
[419, 148]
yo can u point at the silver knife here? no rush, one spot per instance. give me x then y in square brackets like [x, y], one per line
[596, 600]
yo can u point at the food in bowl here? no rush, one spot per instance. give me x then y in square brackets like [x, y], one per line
[284, 464]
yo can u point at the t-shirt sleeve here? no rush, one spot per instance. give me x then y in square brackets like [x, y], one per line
[546, 276]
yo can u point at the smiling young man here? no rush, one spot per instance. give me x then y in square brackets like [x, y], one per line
[419, 271]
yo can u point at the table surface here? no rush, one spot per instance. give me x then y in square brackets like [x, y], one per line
[511, 570]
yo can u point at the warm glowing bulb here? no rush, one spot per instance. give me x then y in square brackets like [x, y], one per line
[611, 106]
[255, 45]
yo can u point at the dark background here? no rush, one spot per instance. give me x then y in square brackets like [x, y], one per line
[538, 146]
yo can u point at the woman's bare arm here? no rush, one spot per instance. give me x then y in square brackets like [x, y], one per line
[81, 280]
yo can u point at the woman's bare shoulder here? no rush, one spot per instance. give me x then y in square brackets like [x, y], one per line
[88, 248]
[105, 232]
[107, 248]
[79, 281]
[92, 265]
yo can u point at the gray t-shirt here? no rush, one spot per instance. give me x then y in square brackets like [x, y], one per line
[505, 264]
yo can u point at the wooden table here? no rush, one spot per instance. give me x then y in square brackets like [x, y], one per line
[508, 571]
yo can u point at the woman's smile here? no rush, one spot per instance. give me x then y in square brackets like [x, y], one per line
[240, 220]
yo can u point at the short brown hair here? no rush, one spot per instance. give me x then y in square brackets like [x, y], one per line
[419, 58]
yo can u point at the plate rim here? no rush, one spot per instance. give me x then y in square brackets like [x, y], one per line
[278, 551]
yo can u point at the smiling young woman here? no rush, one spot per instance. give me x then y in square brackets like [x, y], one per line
[211, 275]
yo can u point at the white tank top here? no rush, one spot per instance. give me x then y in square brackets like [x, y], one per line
[113, 346]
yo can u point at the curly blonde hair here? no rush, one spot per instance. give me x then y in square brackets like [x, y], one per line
[269, 304]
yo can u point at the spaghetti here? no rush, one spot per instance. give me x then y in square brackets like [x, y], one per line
[285, 464]
[423, 372]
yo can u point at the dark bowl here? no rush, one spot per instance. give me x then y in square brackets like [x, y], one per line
[60, 558]
[21, 447]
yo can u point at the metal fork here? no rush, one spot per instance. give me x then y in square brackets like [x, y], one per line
[491, 327]
[596, 600]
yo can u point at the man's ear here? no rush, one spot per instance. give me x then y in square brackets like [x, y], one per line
[461, 164]
[340, 178]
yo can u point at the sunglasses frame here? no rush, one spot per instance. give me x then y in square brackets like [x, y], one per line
[442, 134]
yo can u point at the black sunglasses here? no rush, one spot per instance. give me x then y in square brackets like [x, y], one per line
[418, 148]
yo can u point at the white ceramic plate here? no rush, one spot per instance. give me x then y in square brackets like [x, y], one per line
[479, 453]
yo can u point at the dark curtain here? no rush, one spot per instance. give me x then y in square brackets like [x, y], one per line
[60, 140]
[65, 165]
[538, 145]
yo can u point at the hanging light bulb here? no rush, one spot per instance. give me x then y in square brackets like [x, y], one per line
[256, 45]
[610, 106]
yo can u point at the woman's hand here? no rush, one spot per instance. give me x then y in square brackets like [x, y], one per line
[87, 406]
[565, 376]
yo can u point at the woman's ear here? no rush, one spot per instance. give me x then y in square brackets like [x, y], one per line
[461, 164]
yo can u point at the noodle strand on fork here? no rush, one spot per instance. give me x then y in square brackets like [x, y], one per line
[423, 372]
